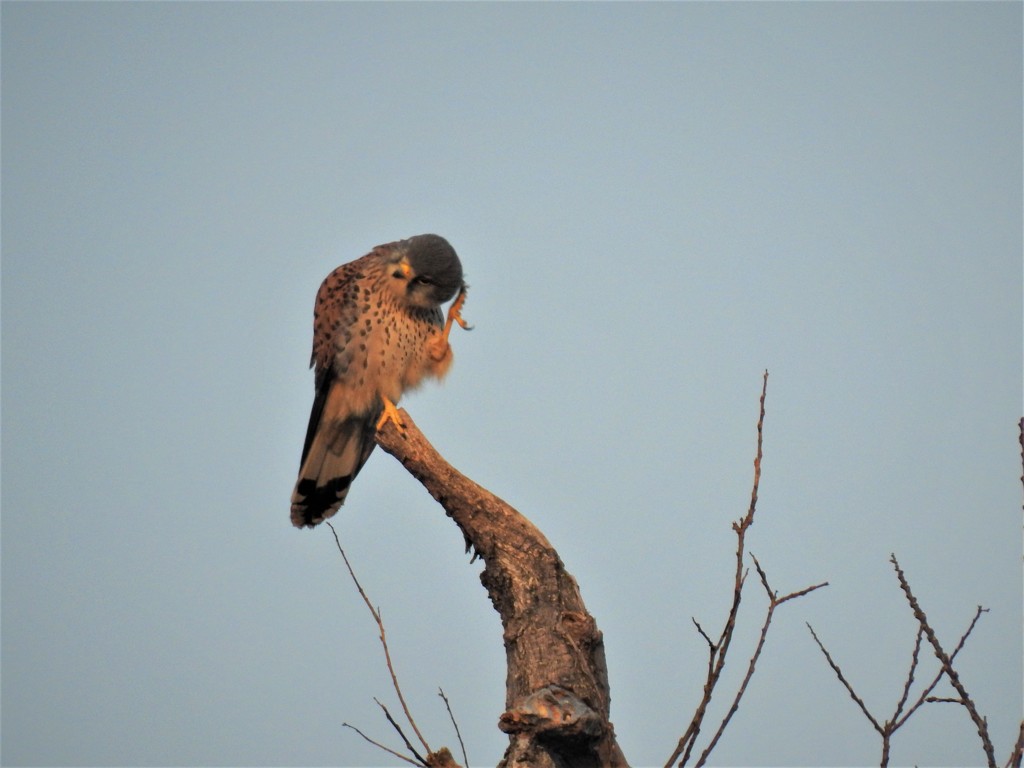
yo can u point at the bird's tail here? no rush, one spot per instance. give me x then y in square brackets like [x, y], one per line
[335, 452]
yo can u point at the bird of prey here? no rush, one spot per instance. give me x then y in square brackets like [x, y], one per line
[377, 332]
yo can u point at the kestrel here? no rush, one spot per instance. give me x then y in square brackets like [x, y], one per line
[377, 332]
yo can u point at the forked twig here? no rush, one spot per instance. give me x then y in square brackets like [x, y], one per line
[885, 730]
[381, 746]
[401, 733]
[899, 717]
[717, 651]
[926, 693]
[947, 665]
[387, 653]
[773, 602]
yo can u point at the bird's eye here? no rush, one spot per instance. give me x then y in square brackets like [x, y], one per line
[422, 280]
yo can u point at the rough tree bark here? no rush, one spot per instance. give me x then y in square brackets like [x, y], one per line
[556, 689]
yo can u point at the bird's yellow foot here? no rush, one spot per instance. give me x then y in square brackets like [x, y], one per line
[455, 313]
[391, 414]
[440, 348]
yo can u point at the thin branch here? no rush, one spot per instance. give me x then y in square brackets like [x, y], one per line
[398, 728]
[914, 658]
[947, 665]
[383, 639]
[773, 595]
[703, 634]
[712, 648]
[773, 603]
[938, 676]
[899, 717]
[465, 758]
[749, 519]
[720, 650]
[800, 593]
[846, 684]
[381, 746]
[764, 579]
[1018, 748]
[963, 638]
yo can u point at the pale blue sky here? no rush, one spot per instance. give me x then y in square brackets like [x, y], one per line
[653, 203]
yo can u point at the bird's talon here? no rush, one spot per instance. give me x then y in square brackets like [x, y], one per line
[390, 413]
[455, 313]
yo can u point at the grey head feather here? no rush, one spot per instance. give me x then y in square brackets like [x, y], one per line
[437, 268]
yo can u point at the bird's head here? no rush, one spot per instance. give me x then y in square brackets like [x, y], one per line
[428, 269]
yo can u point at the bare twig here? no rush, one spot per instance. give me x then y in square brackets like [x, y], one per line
[914, 659]
[749, 519]
[899, 717]
[846, 683]
[886, 730]
[381, 746]
[383, 639]
[773, 602]
[938, 676]
[719, 650]
[800, 593]
[401, 733]
[712, 648]
[465, 758]
[947, 665]
[703, 634]
[1018, 748]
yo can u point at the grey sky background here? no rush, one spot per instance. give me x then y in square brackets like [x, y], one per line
[653, 203]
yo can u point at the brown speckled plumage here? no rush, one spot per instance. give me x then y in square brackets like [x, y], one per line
[377, 332]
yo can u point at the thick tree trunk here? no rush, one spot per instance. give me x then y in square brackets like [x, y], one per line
[556, 695]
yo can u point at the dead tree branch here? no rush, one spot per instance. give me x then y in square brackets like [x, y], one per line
[557, 694]
[773, 602]
[432, 758]
[717, 651]
[947, 664]
[946, 669]
[889, 727]
[926, 693]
